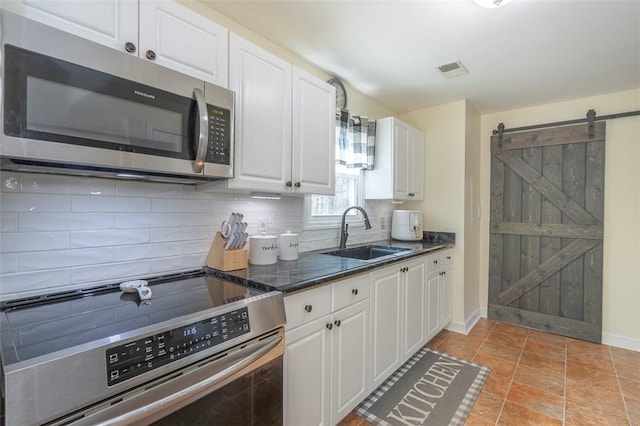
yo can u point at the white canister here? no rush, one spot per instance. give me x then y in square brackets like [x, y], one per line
[263, 249]
[288, 246]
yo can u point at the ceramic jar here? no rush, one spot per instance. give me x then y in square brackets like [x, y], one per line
[288, 246]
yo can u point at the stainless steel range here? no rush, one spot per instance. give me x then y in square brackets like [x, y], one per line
[200, 351]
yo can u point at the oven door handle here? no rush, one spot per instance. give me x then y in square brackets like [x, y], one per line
[161, 400]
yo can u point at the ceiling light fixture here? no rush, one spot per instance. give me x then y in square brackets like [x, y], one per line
[491, 3]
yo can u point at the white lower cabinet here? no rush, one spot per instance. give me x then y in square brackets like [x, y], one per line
[344, 339]
[326, 362]
[439, 291]
[398, 325]
[386, 322]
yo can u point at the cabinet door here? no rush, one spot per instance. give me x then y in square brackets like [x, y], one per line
[307, 374]
[433, 303]
[109, 22]
[183, 40]
[446, 291]
[314, 133]
[386, 323]
[414, 307]
[416, 166]
[262, 83]
[350, 359]
[401, 160]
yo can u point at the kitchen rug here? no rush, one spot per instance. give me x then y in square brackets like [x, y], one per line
[431, 388]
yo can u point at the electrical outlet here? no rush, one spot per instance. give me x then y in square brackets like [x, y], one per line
[382, 222]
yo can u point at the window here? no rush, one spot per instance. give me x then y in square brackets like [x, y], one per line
[325, 211]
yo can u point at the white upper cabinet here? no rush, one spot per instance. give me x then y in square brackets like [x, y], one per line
[109, 22]
[164, 32]
[313, 143]
[399, 165]
[285, 124]
[262, 82]
[176, 37]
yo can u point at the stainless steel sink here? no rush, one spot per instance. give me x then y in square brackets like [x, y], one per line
[367, 252]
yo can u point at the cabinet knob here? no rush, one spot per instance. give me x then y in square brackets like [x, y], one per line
[337, 323]
[130, 47]
[288, 184]
[444, 272]
[329, 326]
[297, 185]
[308, 308]
[448, 257]
[151, 55]
[411, 194]
[354, 291]
[435, 261]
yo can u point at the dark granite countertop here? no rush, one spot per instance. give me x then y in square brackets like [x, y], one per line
[314, 268]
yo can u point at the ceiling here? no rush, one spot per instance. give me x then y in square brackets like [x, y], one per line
[528, 52]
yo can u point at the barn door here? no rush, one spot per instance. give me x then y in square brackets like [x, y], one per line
[547, 208]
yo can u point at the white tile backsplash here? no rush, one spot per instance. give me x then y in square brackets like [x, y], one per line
[108, 237]
[99, 203]
[64, 232]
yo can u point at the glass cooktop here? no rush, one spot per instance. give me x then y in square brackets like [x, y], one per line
[54, 322]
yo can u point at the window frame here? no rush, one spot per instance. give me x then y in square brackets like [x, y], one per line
[334, 221]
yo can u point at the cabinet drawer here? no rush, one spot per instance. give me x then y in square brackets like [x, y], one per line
[350, 291]
[307, 306]
[434, 261]
[447, 257]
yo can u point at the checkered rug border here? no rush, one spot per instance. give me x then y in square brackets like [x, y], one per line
[463, 409]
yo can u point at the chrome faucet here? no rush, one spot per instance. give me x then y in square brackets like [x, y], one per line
[344, 226]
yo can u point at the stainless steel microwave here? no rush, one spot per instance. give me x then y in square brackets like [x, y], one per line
[73, 106]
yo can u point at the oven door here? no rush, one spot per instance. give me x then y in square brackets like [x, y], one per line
[242, 386]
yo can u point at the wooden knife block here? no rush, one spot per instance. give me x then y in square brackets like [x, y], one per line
[225, 260]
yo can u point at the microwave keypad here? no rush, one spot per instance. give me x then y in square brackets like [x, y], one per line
[219, 146]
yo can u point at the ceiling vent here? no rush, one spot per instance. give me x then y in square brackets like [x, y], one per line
[452, 69]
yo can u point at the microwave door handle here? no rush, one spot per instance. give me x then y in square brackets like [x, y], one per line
[203, 134]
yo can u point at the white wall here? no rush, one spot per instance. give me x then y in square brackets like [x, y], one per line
[621, 275]
[63, 232]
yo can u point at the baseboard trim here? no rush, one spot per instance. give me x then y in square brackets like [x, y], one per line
[465, 327]
[619, 341]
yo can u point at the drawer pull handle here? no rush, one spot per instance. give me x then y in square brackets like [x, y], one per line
[448, 257]
[337, 323]
[354, 291]
[308, 308]
[130, 47]
[329, 326]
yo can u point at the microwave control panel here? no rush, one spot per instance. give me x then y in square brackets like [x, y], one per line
[140, 356]
[219, 146]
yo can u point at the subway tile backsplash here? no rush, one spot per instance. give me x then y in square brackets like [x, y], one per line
[64, 232]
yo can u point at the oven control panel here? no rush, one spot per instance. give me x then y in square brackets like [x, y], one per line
[140, 356]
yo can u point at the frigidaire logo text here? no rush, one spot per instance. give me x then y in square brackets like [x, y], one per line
[146, 95]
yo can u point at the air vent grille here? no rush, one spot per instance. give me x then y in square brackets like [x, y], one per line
[452, 69]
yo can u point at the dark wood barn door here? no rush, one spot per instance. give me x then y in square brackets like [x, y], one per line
[547, 208]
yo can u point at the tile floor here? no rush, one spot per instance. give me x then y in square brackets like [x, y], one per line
[544, 379]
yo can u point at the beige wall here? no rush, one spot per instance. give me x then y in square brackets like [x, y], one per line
[358, 104]
[621, 275]
[443, 208]
[472, 223]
